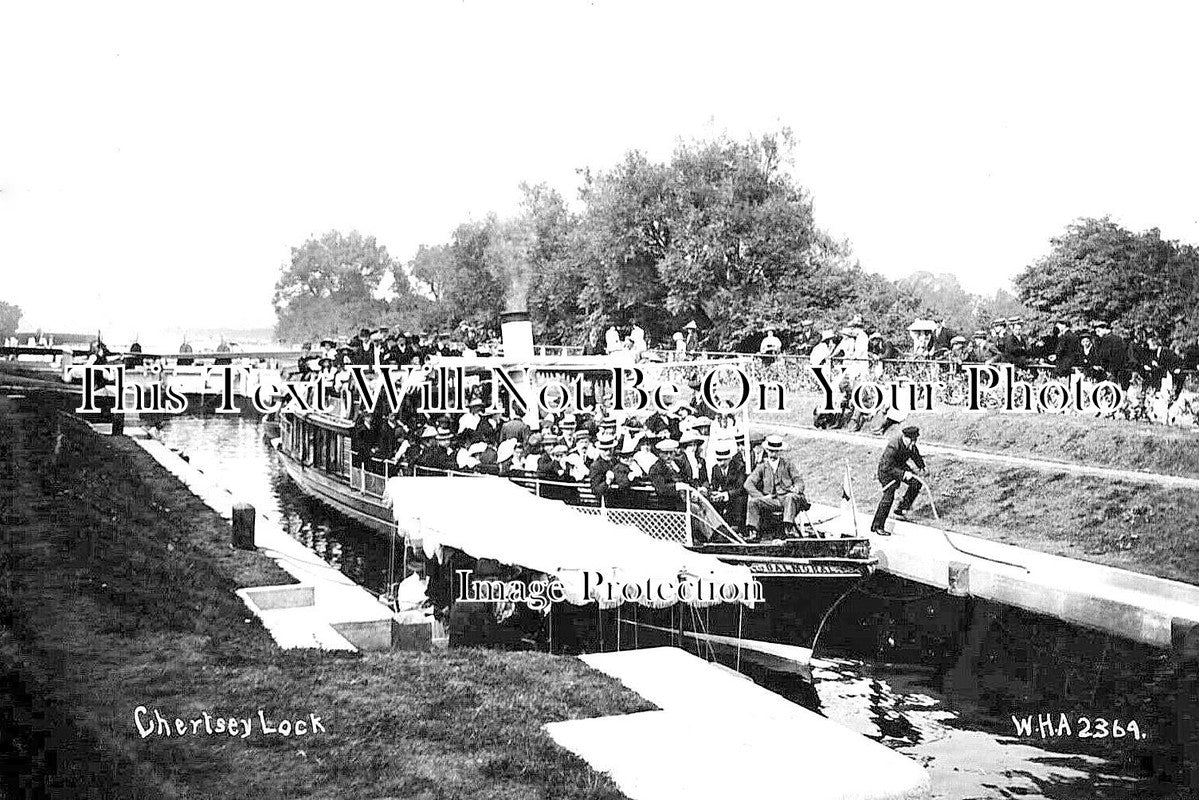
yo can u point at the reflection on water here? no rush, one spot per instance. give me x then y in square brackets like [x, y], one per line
[233, 449]
[935, 677]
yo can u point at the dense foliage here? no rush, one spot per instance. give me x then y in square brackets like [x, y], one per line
[1098, 269]
[10, 317]
[721, 234]
[330, 285]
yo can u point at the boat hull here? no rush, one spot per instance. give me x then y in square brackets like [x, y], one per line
[337, 494]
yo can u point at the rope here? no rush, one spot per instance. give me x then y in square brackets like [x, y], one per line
[824, 619]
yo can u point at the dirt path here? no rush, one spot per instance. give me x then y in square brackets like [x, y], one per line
[1136, 476]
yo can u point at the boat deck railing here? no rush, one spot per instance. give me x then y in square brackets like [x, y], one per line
[645, 510]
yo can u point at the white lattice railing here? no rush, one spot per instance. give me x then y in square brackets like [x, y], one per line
[669, 526]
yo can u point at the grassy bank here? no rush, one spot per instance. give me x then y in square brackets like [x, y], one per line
[118, 593]
[1120, 444]
[1149, 529]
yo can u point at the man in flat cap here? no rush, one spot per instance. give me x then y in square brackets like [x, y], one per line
[901, 462]
[981, 350]
[773, 486]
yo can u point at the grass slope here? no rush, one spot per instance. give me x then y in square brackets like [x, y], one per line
[118, 592]
[1120, 444]
[1120, 524]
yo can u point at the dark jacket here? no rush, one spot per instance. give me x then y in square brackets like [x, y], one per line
[894, 461]
[1111, 354]
[729, 478]
[664, 474]
[597, 476]
[685, 470]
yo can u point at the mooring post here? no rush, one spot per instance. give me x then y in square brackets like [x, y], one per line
[243, 526]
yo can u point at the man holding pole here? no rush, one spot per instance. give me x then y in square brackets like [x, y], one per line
[900, 457]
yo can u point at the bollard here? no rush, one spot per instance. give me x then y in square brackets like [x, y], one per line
[243, 526]
[118, 424]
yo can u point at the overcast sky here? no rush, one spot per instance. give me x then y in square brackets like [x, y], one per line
[157, 165]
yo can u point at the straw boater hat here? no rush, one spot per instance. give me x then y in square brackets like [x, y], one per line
[980, 334]
[559, 450]
[958, 340]
[605, 442]
[666, 446]
[999, 322]
[827, 334]
[581, 434]
[475, 402]
[444, 434]
[723, 450]
[568, 421]
[629, 447]
[774, 444]
[429, 432]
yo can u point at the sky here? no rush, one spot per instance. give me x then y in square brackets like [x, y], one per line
[158, 161]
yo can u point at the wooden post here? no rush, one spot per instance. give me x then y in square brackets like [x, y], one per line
[118, 423]
[243, 526]
[1185, 647]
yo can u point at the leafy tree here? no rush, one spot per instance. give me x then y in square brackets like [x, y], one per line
[1098, 268]
[10, 317]
[328, 286]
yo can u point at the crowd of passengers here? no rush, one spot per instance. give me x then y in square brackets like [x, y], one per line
[621, 460]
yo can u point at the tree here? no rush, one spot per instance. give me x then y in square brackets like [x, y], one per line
[10, 317]
[328, 286]
[1097, 269]
[721, 233]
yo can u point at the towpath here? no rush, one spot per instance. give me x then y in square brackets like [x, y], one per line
[1047, 465]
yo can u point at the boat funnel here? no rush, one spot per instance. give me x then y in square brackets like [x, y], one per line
[516, 331]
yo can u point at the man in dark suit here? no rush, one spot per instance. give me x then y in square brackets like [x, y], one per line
[600, 473]
[893, 469]
[1158, 362]
[1065, 349]
[772, 486]
[1111, 354]
[443, 456]
[726, 485]
[665, 474]
[942, 338]
[692, 467]
[1013, 347]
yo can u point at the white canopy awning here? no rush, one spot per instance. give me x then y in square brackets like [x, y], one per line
[490, 517]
